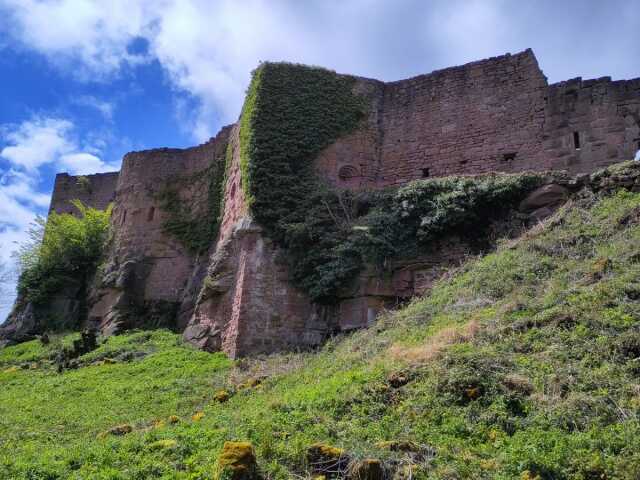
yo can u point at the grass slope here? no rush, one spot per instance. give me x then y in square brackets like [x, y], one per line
[522, 364]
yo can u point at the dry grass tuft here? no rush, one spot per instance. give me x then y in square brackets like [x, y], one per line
[436, 344]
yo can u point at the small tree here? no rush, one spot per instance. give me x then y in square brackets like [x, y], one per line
[61, 249]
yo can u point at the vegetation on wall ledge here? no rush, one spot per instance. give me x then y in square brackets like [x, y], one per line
[63, 250]
[343, 231]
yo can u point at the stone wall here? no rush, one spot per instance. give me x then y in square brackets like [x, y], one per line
[590, 124]
[247, 303]
[497, 114]
[96, 191]
[147, 270]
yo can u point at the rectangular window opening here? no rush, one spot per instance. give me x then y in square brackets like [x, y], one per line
[426, 173]
[576, 140]
[151, 214]
[509, 157]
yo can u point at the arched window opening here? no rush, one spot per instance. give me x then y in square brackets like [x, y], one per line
[347, 172]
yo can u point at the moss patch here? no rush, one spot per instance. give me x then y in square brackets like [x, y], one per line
[237, 461]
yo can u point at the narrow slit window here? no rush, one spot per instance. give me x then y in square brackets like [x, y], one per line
[426, 173]
[151, 214]
[124, 217]
[576, 140]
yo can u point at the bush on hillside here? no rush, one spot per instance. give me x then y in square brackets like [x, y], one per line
[63, 248]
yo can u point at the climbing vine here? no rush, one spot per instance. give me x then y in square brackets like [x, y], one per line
[343, 231]
[290, 114]
[194, 222]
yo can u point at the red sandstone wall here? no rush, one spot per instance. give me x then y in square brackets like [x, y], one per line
[497, 114]
[96, 191]
[463, 119]
[248, 304]
[604, 115]
[157, 266]
[354, 160]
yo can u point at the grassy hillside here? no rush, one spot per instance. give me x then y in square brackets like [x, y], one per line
[524, 364]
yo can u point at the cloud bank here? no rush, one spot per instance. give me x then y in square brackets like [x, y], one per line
[208, 47]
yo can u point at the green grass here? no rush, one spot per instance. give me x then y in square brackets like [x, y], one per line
[546, 386]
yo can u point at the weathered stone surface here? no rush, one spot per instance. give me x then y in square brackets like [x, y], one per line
[26, 319]
[494, 115]
[21, 326]
[96, 190]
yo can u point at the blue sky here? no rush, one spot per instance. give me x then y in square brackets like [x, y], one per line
[83, 82]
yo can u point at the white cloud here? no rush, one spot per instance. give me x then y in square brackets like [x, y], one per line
[84, 164]
[207, 48]
[30, 146]
[105, 108]
[44, 140]
[36, 142]
[96, 33]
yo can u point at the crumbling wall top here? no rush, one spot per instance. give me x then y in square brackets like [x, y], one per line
[96, 191]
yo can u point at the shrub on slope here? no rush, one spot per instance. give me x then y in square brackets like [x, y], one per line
[64, 249]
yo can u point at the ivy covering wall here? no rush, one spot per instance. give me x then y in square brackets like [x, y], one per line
[290, 114]
[195, 221]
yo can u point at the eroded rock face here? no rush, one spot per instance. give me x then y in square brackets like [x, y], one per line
[247, 304]
[21, 326]
[26, 320]
[543, 201]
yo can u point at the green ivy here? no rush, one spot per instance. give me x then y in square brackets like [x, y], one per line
[195, 223]
[290, 114]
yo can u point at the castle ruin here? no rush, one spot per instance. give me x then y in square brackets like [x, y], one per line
[494, 115]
